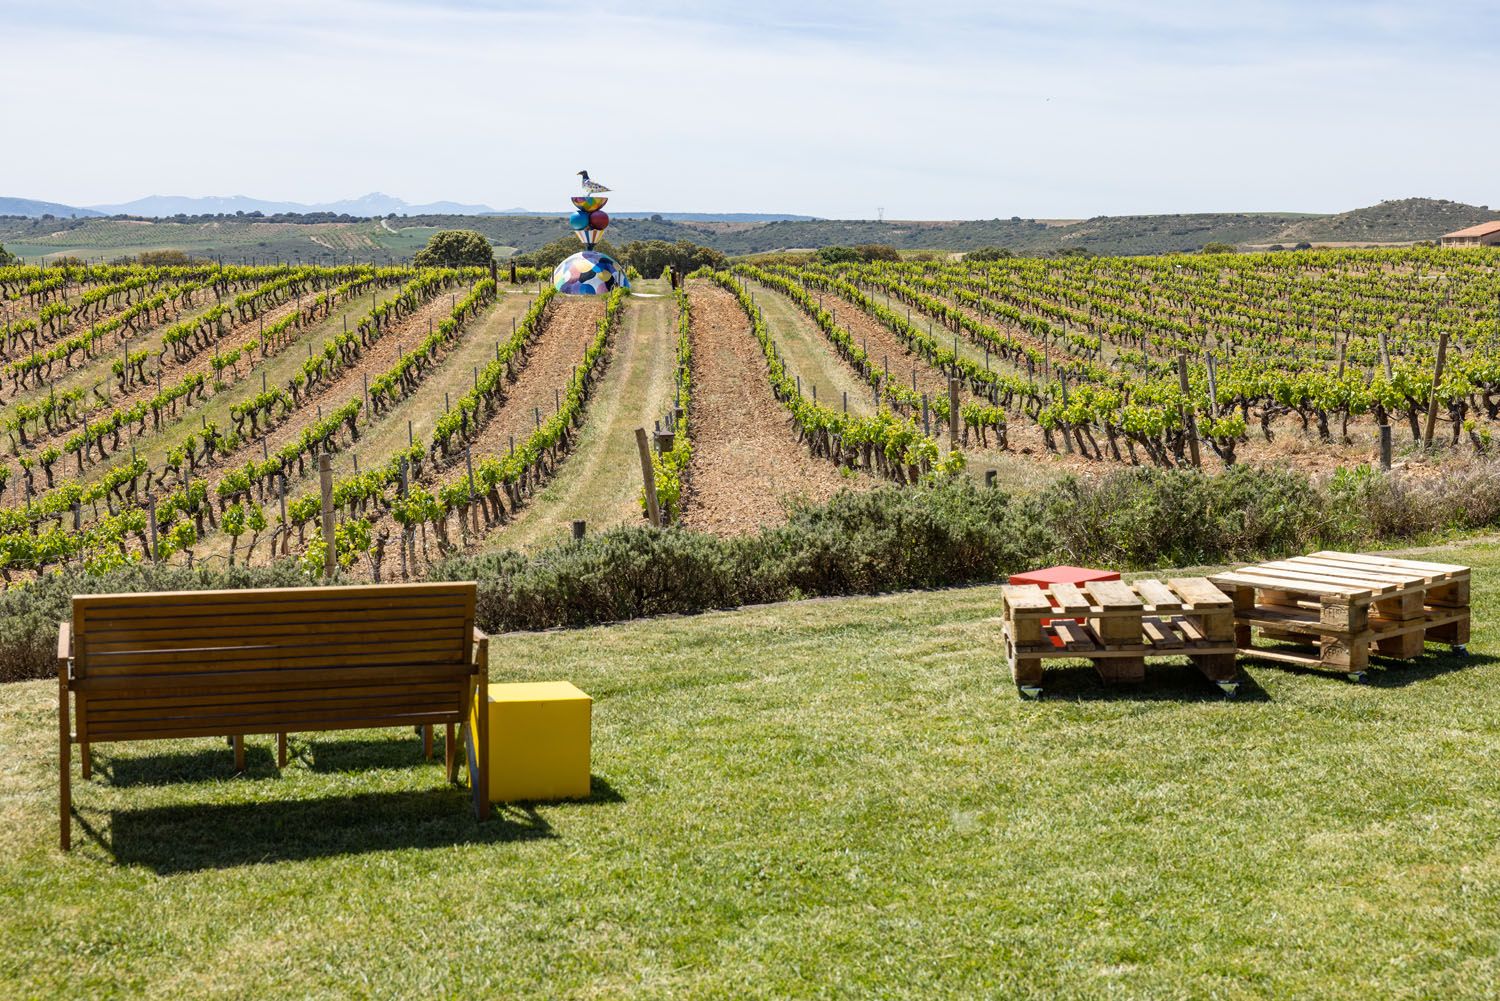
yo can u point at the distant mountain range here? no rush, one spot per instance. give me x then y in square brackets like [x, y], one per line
[369, 206]
[33, 209]
[373, 204]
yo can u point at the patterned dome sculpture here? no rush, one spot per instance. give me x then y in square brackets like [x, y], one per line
[589, 272]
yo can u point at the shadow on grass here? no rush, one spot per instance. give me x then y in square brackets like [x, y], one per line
[173, 839]
[183, 766]
[1164, 682]
[330, 754]
[194, 837]
[600, 791]
[1383, 672]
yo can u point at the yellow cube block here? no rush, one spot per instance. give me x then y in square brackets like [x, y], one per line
[539, 741]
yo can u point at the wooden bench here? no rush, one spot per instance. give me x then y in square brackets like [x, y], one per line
[231, 663]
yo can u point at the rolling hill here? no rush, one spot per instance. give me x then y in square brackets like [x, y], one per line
[288, 237]
[32, 207]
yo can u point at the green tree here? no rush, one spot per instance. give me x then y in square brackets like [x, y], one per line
[988, 254]
[554, 253]
[652, 257]
[837, 255]
[7, 258]
[877, 252]
[1219, 248]
[163, 258]
[862, 254]
[455, 248]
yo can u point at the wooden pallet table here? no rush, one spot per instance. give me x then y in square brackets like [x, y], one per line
[1343, 606]
[1117, 625]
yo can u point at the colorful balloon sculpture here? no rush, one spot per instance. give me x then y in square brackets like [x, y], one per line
[589, 272]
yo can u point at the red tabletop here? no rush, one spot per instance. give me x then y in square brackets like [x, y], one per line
[1062, 575]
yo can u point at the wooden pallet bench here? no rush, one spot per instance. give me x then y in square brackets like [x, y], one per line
[1343, 606]
[1117, 625]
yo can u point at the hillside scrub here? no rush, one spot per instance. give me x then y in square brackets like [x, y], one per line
[943, 534]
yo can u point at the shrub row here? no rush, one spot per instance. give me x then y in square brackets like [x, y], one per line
[887, 539]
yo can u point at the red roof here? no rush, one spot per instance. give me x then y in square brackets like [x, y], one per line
[1483, 229]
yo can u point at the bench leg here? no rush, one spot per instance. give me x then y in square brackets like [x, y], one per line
[450, 753]
[427, 741]
[281, 750]
[64, 762]
[87, 758]
[482, 750]
[239, 752]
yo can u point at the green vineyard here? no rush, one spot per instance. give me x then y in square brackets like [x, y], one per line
[186, 414]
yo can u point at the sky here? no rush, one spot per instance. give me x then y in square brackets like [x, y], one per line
[936, 109]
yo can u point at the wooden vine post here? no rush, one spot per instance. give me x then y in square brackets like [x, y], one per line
[1432, 398]
[325, 481]
[1189, 421]
[648, 477]
[953, 414]
[150, 523]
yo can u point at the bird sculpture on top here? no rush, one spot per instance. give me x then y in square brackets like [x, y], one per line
[591, 187]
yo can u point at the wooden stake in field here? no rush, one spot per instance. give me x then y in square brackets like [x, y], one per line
[1189, 419]
[1432, 399]
[325, 483]
[1213, 385]
[1067, 432]
[953, 412]
[648, 477]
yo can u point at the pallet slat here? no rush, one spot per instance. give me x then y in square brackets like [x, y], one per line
[1451, 569]
[1158, 595]
[1069, 599]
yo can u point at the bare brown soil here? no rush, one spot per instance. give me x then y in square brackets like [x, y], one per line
[566, 333]
[746, 459]
[350, 383]
[558, 350]
[1024, 436]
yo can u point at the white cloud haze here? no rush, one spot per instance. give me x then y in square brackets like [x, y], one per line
[935, 110]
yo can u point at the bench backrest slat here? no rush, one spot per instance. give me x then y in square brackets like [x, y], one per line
[211, 662]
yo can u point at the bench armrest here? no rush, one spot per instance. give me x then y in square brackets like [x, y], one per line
[64, 646]
[481, 651]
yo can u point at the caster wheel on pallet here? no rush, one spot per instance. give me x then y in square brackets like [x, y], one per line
[1356, 676]
[1460, 650]
[1030, 692]
[1229, 688]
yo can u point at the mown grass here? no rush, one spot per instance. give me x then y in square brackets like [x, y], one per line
[600, 480]
[839, 798]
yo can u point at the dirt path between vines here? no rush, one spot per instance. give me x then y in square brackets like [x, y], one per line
[746, 458]
[600, 480]
[569, 328]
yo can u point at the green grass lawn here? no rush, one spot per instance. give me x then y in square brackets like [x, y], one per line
[838, 798]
